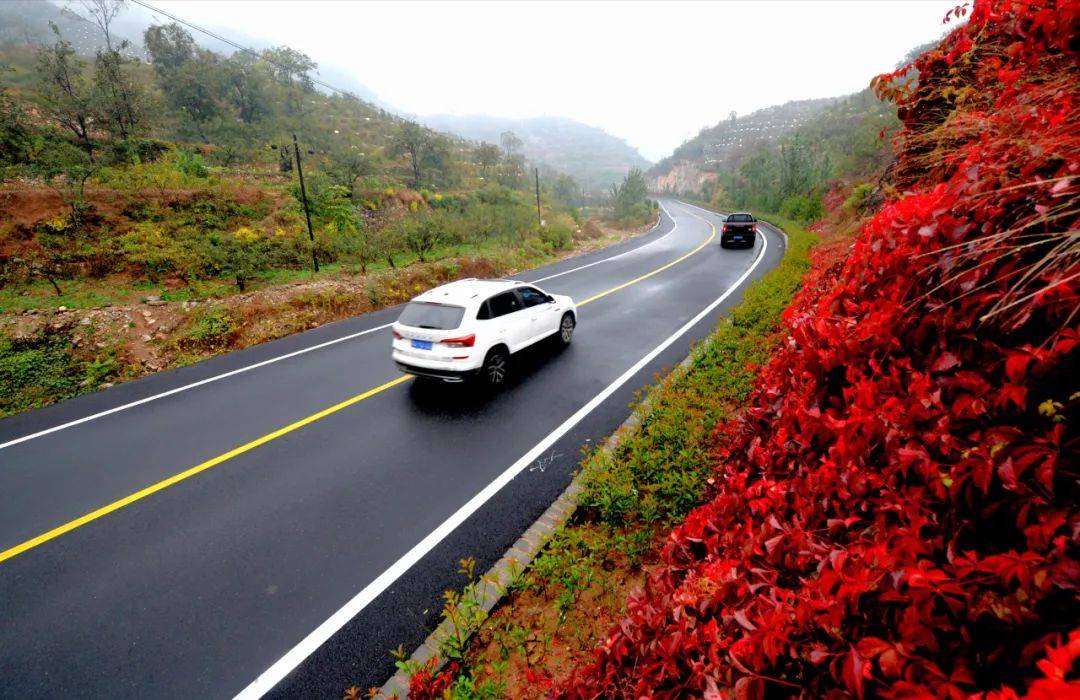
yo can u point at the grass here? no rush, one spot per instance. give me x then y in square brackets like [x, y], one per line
[631, 497]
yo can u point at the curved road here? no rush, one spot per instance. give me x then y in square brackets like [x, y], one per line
[281, 525]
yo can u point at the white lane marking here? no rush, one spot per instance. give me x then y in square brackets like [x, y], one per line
[272, 360]
[185, 387]
[674, 226]
[295, 656]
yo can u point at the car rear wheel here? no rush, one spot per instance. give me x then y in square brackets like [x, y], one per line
[496, 367]
[566, 328]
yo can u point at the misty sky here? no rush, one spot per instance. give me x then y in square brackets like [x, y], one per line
[651, 73]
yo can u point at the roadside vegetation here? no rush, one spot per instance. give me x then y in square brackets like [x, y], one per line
[894, 513]
[153, 213]
[564, 602]
[880, 501]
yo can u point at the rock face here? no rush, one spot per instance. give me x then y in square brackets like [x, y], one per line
[683, 177]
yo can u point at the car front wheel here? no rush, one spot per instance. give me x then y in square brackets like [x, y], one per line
[566, 328]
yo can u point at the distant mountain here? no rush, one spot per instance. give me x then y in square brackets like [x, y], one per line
[591, 155]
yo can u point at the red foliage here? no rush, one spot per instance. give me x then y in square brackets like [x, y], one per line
[428, 683]
[896, 513]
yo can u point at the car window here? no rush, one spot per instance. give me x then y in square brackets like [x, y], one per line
[502, 304]
[531, 296]
[422, 314]
[739, 218]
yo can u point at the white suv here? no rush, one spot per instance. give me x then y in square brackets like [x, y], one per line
[471, 327]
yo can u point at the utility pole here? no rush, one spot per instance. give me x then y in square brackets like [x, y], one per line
[303, 196]
[539, 220]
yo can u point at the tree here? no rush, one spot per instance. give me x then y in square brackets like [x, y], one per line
[194, 90]
[170, 46]
[67, 94]
[245, 84]
[15, 139]
[630, 198]
[416, 142]
[102, 13]
[422, 234]
[487, 157]
[510, 142]
[120, 99]
[348, 165]
[290, 67]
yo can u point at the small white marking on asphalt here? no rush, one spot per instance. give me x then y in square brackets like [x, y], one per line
[295, 656]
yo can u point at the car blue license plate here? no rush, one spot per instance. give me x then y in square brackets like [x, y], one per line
[421, 344]
[736, 238]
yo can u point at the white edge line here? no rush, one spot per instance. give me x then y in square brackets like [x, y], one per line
[295, 656]
[674, 226]
[272, 360]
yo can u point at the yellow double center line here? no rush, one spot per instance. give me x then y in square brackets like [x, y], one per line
[258, 442]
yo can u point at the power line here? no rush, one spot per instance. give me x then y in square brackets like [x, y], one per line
[240, 47]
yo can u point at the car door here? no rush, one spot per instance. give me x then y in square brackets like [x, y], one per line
[543, 318]
[510, 319]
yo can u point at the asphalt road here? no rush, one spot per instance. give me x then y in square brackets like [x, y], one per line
[322, 519]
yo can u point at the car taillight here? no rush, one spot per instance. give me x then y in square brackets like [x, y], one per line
[754, 228]
[397, 336]
[465, 341]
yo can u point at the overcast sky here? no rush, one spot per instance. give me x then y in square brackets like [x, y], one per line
[651, 73]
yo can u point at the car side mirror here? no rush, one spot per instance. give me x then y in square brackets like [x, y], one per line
[550, 299]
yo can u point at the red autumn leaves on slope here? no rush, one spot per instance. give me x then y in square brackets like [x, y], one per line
[896, 514]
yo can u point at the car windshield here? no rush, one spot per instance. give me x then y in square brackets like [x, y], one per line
[740, 218]
[443, 317]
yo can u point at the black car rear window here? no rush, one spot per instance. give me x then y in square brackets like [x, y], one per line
[739, 218]
[422, 314]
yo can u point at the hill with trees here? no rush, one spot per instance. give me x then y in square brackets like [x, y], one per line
[589, 154]
[783, 159]
[168, 173]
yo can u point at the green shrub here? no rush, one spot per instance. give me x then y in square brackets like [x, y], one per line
[34, 373]
[857, 199]
[802, 208]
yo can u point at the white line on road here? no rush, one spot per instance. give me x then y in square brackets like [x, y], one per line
[177, 390]
[295, 656]
[272, 360]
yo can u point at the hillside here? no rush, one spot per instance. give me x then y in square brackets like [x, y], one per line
[783, 159]
[587, 153]
[172, 182]
[695, 160]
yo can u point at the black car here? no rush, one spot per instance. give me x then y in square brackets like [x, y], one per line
[740, 230]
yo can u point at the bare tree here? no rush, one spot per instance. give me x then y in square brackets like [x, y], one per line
[102, 13]
[510, 142]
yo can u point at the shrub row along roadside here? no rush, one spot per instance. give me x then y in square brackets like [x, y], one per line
[566, 600]
[896, 515]
[48, 356]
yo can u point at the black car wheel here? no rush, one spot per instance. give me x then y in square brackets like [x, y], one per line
[566, 328]
[496, 367]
